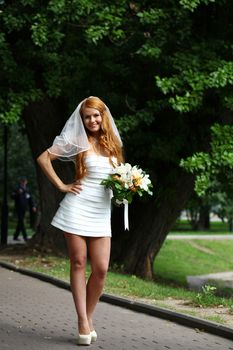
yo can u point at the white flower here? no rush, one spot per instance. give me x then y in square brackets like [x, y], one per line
[123, 169]
[126, 185]
[136, 173]
[145, 182]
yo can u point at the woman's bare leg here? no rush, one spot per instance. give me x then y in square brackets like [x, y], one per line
[78, 256]
[99, 251]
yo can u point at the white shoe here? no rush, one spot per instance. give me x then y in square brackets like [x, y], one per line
[84, 339]
[93, 336]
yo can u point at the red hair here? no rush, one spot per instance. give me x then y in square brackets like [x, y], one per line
[107, 139]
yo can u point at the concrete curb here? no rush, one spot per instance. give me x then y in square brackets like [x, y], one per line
[186, 320]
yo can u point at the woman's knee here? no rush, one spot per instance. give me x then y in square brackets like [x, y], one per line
[78, 262]
[100, 270]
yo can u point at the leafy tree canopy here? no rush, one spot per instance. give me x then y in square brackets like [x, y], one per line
[164, 67]
[214, 169]
[50, 48]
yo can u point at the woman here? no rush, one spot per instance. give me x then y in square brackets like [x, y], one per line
[91, 139]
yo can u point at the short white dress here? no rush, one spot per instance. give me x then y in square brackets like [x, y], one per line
[89, 212]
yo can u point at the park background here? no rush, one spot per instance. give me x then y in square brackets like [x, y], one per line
[164, 68]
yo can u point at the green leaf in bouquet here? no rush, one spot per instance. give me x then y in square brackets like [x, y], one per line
[117, 185]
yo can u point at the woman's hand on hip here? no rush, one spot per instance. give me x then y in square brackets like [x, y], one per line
[74, 187]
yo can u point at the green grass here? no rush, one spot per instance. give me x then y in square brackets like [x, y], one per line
[117, 283]
[200, 233]
[184, 227]
[216, 319]
[124, 285]
[178, 259]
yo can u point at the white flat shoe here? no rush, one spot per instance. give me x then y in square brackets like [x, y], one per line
[93, 336]
[84, 339]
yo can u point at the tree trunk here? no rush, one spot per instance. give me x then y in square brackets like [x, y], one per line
[204, 217]
[230, 224]
[193, 218]
[150, 223]
[43, 121]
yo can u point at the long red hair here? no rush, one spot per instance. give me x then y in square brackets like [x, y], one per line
[108, 141]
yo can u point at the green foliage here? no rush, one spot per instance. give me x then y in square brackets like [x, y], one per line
[15, 112]
[17, 102]
[206, 297]
[110, 20]
[193, 4]
[39, 30]
[157, 33]
[195, 82]
[223, 207]
[20, 161]
[151, 16]
[211, 168]
[228, 102]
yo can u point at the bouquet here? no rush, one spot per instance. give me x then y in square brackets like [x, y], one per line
[127, 181]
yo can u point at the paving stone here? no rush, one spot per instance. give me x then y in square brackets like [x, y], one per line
[37, 315]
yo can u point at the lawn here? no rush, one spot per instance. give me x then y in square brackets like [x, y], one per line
[184, 227]
[180, 258]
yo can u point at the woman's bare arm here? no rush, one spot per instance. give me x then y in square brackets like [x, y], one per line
[45, 162]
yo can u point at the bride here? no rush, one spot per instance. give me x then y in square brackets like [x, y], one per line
[90, 139]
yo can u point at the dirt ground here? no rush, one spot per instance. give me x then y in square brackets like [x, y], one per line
[201, 312]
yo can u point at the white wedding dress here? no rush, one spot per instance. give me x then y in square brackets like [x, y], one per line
[89, 212]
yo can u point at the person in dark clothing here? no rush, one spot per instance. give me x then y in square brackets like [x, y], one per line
[23, 200]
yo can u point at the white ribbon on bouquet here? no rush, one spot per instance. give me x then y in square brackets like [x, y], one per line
[126, 210]
[126, 214]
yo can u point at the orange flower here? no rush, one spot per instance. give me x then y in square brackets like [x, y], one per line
[137, 182]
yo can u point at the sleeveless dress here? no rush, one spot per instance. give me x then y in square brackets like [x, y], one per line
[89, 212]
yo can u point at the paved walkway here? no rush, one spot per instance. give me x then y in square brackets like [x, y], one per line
[36, 315]
[200, 236]
[10, 240]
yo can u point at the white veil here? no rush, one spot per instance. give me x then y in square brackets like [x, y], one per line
[73, 138]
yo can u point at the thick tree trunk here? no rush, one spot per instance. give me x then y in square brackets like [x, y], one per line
[43, 122]
[150, 224]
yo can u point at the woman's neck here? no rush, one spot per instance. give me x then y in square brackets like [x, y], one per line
[94, 139]
[96, 147]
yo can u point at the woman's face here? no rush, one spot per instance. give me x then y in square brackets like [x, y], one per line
[92, 119]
